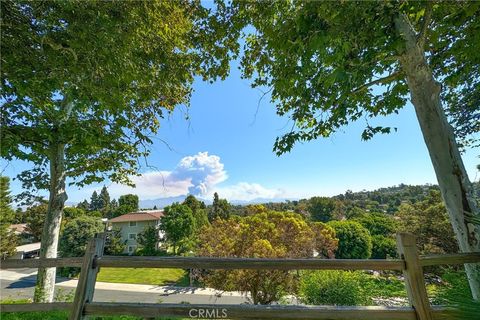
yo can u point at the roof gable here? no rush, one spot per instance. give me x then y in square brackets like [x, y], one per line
[139, 216]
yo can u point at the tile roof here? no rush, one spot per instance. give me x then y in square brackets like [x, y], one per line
[139, 216]
[18, 228]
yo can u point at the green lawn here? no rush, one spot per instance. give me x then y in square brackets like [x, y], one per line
[144, 276]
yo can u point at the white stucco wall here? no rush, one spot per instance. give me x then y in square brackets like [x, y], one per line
[126, 229]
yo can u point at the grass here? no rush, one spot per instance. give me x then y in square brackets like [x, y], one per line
[59, 315]
[387, 286]
[63, 315]
[151, 276]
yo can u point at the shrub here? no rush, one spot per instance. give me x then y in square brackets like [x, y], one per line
[333, 287]
[383, 247]
[354, 241]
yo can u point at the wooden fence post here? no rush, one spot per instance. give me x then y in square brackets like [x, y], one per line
[88, 276]
[414, 279]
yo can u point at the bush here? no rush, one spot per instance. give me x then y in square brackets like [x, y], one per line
[354, 241]
[333, 287]
[383, 247]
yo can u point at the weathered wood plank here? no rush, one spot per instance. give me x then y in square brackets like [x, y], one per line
[88, 276]
[249, 311]
[249, 263]
[231, 263]
[414, 279]
[36, 263]
[92, 308]
[26, 307]
[456, 258]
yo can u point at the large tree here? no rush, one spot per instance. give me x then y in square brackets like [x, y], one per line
[84, 85]
[327, 64]
[178, 224]
[220, 208]
[354, 241]
[199, 211]
[263, 235]
[104, 201]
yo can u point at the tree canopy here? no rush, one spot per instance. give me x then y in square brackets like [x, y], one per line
[263, 235]
[428, 220]
[354, 241]
[178, 224]
[321, 208]
[326, 65]
[35, 219]
[148, 240]
[220, 208]
[84, 85]
[94, 76]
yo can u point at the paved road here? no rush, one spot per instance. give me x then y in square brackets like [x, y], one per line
[19, 284]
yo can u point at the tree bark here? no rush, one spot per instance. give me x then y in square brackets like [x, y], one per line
[45, 286]
[455, 186]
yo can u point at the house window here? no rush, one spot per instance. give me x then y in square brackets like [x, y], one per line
[132, 236]
[131, 249]
[133, 223]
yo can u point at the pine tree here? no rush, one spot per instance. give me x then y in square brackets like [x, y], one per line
[94, 201]
[220, 208]
[104, 199]
[198, 210]
[8, 240]
[113, 209]
[114, 245]
[84, 205]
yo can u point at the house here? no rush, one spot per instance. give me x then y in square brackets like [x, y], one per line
[18, 228]
[22, 232]
[27, 251]
[131, 224]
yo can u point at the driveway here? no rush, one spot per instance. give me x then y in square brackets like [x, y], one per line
[20, 283]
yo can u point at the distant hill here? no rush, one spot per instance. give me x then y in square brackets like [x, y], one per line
[160, 202]
[163, 202]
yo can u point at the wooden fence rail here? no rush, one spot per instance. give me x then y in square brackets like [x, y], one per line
[249, 263]
[244, 263]
[410, 263]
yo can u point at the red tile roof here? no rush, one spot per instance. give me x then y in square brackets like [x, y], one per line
[138, 216]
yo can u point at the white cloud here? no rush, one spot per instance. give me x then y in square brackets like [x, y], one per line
[199, 175]
[249, 191]
[196, 175]
[204, 172]
[153, 184]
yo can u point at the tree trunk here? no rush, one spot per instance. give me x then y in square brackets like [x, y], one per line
[45, 286]
[455, 186]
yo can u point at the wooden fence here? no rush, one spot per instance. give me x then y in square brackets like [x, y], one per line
[83, 305]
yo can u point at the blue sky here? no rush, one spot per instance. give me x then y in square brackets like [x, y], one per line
[226, 146]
